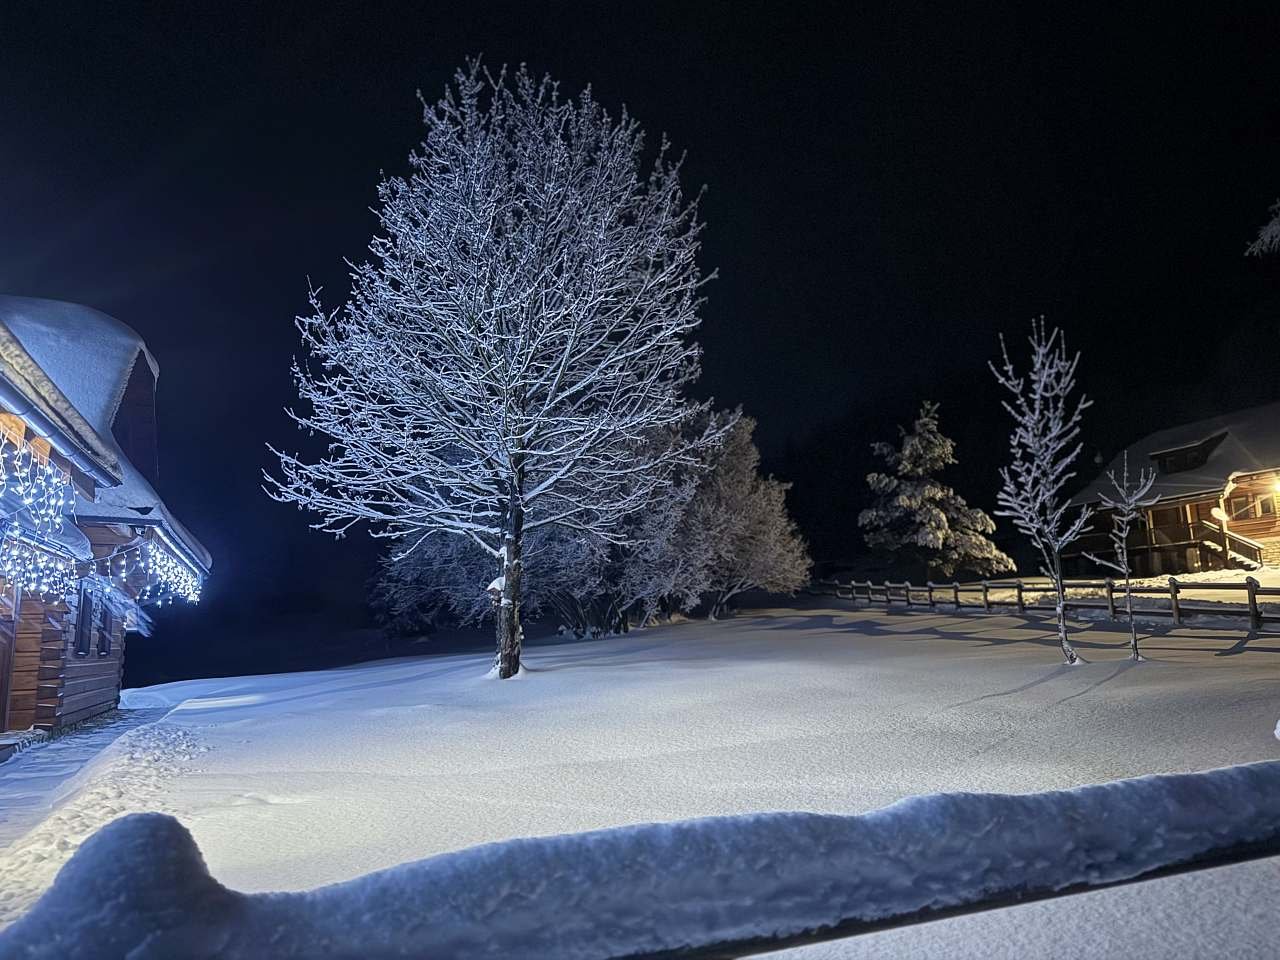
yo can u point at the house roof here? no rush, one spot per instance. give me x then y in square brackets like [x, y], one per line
[1251, 443]
[89, 357]
[28, 391]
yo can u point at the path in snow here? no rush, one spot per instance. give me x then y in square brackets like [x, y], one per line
[55, 795]
[32, 782]
[319, 777]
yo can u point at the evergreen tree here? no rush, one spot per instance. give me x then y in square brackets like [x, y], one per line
[917, 516]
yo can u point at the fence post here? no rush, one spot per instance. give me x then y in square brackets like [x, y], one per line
[906, 591]
[1255, 618]
[929, 585]
[955, 593]
[888, 602]
[986, 597]
[1022, 607]
[1111, 598]
[1173, 601]
[869, 597]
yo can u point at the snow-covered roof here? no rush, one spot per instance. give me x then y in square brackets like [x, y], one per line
[1245, 441]
[89, 356]
[27, 390]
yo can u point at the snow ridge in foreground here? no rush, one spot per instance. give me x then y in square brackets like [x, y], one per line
[139, 888]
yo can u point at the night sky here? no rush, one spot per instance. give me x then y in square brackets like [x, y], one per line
[888, 189]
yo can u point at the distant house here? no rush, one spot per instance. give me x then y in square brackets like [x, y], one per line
[87, 545]
[1218, 483]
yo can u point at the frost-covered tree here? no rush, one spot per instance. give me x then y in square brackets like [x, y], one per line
[443, 579]
[1044, 444]
[916, 515]
[518, 335]
[1268, 235]
[741, 517]
[1126, 505]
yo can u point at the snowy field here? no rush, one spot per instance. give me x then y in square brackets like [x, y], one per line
[292, 781]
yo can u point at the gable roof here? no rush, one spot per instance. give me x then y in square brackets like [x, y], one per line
[1244, 441]
[28, 391]
[89, 357]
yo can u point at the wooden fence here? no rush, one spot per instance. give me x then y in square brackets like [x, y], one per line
[978, 596]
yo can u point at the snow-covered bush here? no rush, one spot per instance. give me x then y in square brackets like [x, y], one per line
[917, 516]
[521, 331]
[1044, 444]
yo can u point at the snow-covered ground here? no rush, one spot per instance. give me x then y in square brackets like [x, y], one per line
[292, 781]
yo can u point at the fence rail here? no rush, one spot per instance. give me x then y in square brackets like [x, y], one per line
[979, 596]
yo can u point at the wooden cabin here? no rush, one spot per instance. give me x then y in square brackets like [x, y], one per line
[87, 545]
[1217, 491]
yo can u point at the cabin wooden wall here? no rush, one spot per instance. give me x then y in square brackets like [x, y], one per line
[39, 639]
[75, 687]
[1255, 513]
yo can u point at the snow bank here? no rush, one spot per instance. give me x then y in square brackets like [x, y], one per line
[139, 888]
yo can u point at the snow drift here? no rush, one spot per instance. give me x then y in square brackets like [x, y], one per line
[139, 887]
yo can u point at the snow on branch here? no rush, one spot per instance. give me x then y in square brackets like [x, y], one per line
[521, 328]
[1043, 445]
[1268, 235]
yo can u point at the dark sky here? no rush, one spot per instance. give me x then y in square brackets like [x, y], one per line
[889, 188]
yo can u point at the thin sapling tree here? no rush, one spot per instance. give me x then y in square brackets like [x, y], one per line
[1043, 445]
[1126, 505]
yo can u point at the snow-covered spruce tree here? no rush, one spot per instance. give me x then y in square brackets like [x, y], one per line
[1126, 505]
[1044, 444]
[916, 515]
[741, 516]
[520, 331]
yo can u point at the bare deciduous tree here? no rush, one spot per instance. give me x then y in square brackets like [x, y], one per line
[1044, 444]
[1126, 506]
[519, 334]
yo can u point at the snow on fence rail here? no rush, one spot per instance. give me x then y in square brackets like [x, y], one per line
[1106, 594]
[139, 888]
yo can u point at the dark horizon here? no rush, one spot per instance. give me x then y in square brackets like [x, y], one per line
[888, 191]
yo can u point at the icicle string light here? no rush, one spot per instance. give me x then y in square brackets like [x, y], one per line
[36, 570]
[43, 488]
[164, 576]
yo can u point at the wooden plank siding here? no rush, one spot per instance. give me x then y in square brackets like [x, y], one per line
[75, 687]
[1254, 510]
[52, 684]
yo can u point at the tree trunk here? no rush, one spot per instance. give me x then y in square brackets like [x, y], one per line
[1060, 608]
[507, 616]
[1133, 627]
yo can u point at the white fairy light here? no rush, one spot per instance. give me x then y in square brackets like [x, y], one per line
[164, 575]
[34, 569]
[43, 488]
